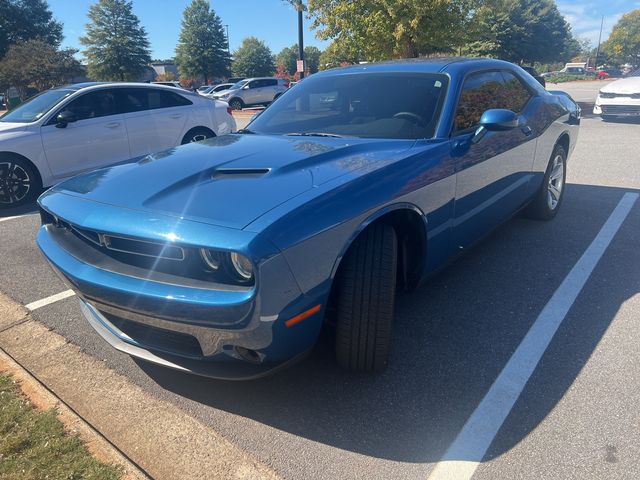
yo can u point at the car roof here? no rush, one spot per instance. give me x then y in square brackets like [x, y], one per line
[95, 85]
[424, 65]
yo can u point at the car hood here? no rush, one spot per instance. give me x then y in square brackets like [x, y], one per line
[8, 127]
[224, 92]
[230, 180]
[624, 85]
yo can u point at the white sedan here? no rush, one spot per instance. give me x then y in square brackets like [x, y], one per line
[67, 130]
[620, 98]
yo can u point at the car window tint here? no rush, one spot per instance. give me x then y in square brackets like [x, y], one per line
[270, 82]
[515, 95]
[163, 99]
[480, 92]
[254, 84]
[133, 100]
[100, 103]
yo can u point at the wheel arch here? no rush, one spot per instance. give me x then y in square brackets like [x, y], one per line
[564, 141]
[410, 225]
[200, 127]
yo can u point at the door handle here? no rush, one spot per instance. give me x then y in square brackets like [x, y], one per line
[113, 125]
[176, 115]
[527, 130]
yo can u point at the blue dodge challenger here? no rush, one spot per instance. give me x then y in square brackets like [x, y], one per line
[224, 258]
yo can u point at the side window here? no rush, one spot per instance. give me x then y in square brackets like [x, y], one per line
[254, 84]
[163, 99]
[133, 100]
[100, 103]
[480, 92]
[271, 82]
[516, 95]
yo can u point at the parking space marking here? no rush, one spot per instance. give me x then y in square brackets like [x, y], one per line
[52, 299]
[464, 455]
[4, 219]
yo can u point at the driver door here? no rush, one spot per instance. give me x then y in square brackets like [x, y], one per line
[97, 138]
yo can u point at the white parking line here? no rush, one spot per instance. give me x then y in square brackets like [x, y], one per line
[52, 299]
[467, 450]
[4, 219]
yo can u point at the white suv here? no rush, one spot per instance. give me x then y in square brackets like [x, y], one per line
[67, 130]
[253, 91]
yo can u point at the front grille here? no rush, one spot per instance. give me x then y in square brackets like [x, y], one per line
[619, 95]
[157, 338]
[621, 109]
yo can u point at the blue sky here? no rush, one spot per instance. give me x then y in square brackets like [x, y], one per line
[275, 22]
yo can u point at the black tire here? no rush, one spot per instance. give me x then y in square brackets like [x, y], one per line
[197, 134]
[236, 104]
[20, 182]
[545, 203]
[366, 299]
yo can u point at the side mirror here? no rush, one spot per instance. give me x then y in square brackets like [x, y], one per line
[495, 120]
[246, 87]
[64, 118]
[498, 119]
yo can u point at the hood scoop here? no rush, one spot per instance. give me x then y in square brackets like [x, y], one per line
[230, 173]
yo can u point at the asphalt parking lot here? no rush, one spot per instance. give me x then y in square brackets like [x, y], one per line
[577, 416]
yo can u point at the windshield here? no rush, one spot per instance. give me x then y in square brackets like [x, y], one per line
[33, 109]
[367, 105]
[239, 85]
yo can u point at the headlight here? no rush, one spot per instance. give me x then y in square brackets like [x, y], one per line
[211, 259]
[242, 266]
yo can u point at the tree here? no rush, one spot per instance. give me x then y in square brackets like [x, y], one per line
[117, 45]
[288, 57]
[253, 59]
[22, 20]
[334, 56]
[624, 42]
[521, 31]
[381, 29]
[36, 63]
[202, 47]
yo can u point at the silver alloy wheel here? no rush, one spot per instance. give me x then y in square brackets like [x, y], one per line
[15, 183]
[198, 137]
[556, 183]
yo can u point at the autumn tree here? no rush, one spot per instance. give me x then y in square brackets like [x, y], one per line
[117, 45]
[624, 42]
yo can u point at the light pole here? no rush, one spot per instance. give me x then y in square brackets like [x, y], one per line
[599, 39]
[300, 38]
[228, 47]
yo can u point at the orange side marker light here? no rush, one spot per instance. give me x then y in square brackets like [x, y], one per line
[298, 318]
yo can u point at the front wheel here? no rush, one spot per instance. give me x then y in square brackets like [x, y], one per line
[19, 182]
[236, 104]
[197, 134]
[548, 198]
[366, 299]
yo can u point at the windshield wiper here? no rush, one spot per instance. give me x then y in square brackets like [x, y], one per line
[314, 134]
[246, 130]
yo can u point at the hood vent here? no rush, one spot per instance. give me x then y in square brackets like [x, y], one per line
[239, 173]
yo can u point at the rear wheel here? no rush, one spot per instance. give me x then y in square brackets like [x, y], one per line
[547, 200]
[366, 299]
[197, 134]
[19, 181]
[236, 104]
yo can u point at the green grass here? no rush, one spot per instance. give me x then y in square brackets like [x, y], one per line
[34, 444]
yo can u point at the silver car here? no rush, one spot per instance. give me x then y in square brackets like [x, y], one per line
[253, 91]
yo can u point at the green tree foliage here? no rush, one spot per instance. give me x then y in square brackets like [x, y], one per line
[288, 57]
[623, 44]
[22, 20]
[36, 63]
[253, 59]
[117, 45]
[381, 29]
[202, 47]
[523, 31]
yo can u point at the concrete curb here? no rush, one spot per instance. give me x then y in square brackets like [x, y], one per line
[159, 437]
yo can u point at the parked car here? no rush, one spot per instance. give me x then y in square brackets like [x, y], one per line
[608, 73]
[620, 98]
[70, 129]
[568, 71]
[3, 102]
[534, 73]
[216, 88]
[235, 79]
[175, 84]
[223, 258]
[253, 91]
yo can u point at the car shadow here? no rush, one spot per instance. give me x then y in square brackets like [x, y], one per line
[453, 336]
[25, 209]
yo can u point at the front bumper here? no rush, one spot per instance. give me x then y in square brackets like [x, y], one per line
[232, 333]
[617, 107]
